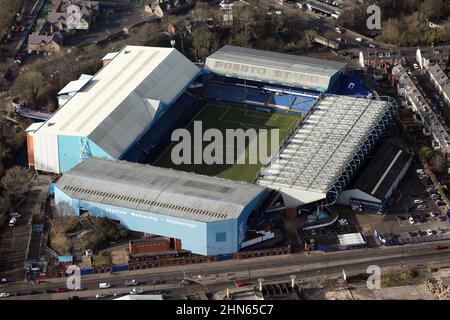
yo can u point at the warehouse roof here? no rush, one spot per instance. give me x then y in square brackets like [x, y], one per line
[120, 101]
[273, 67]
[158, 190]
[76, 85]
[384, 168]
[319, 151]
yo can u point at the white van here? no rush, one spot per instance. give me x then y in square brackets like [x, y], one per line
[104, 285]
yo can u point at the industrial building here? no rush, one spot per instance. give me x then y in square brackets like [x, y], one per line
[275, 68]
[114, 109]
[374, 188]
[208, 215]
[320, 159]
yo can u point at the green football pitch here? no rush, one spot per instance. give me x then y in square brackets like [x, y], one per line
[222, 117]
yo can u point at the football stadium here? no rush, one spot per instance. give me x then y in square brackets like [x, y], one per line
[112, 144]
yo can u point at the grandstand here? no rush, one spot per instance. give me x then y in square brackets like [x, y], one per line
[222, 116]
[275, 68]
[318, 161]
[115, 109]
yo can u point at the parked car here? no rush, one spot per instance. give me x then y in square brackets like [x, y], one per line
[411, 220]
[434, 214]
[3, 280]
[422, 206]
[185, 282]
[100, 296]
[418, 201]
[12, 222]
[4, 294]
[241, 284]
[440, 247]
[339, 30]
[119, 293]
[15, 215]
[429, 232]
[158, 281]
[416, 66]
[358, 39]
[61, 289]
[73, 298]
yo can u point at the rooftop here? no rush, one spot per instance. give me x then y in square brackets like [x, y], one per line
[297, 69]
[158, 190]
[319, 151]
[441, 78]
[382, 170]
[121, 100]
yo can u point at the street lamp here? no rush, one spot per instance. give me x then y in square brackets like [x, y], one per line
[260, 280]
[293, 276]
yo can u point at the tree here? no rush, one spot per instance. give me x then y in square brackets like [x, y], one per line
[203, 42]
[438, 164]
[28, 84]
[425, 154]
[63, 218]
[13, 183]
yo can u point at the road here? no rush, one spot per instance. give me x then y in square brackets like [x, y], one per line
[215, 277]
[14, 240]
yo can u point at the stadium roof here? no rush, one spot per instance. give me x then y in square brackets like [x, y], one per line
[272, 67]
[158, 190]
[120, 101]
[382, 171]
[318, 153]
[76, 85]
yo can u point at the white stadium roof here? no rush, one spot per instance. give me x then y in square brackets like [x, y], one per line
[119, 102]
[318, 153]
[272, 67]
[158, 190]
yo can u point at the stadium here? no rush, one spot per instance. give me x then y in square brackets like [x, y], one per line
[327, 120]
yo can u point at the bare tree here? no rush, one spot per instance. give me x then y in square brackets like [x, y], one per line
[28, 84]
[203, 42]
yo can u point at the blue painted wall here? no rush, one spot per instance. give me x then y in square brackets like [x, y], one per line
[69, 148]
[198, 237]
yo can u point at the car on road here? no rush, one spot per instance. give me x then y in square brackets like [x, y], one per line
[158, 281]
[339, 30]
[131, 282]
[100, 296]
[418, 201]
[440, 247]
[119, 293]
[241, 283]
[429, 232]
[359, 39]
[434, 214]
[136, 291]
[416, 66]
[411, 220]
[4, 294]
[185, 282]
[104, 285]
[61, 289]
[12, 222]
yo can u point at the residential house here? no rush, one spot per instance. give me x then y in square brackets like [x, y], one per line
[440, 81]
[425, 57]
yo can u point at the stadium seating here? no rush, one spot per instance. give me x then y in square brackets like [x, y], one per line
[157, 137]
